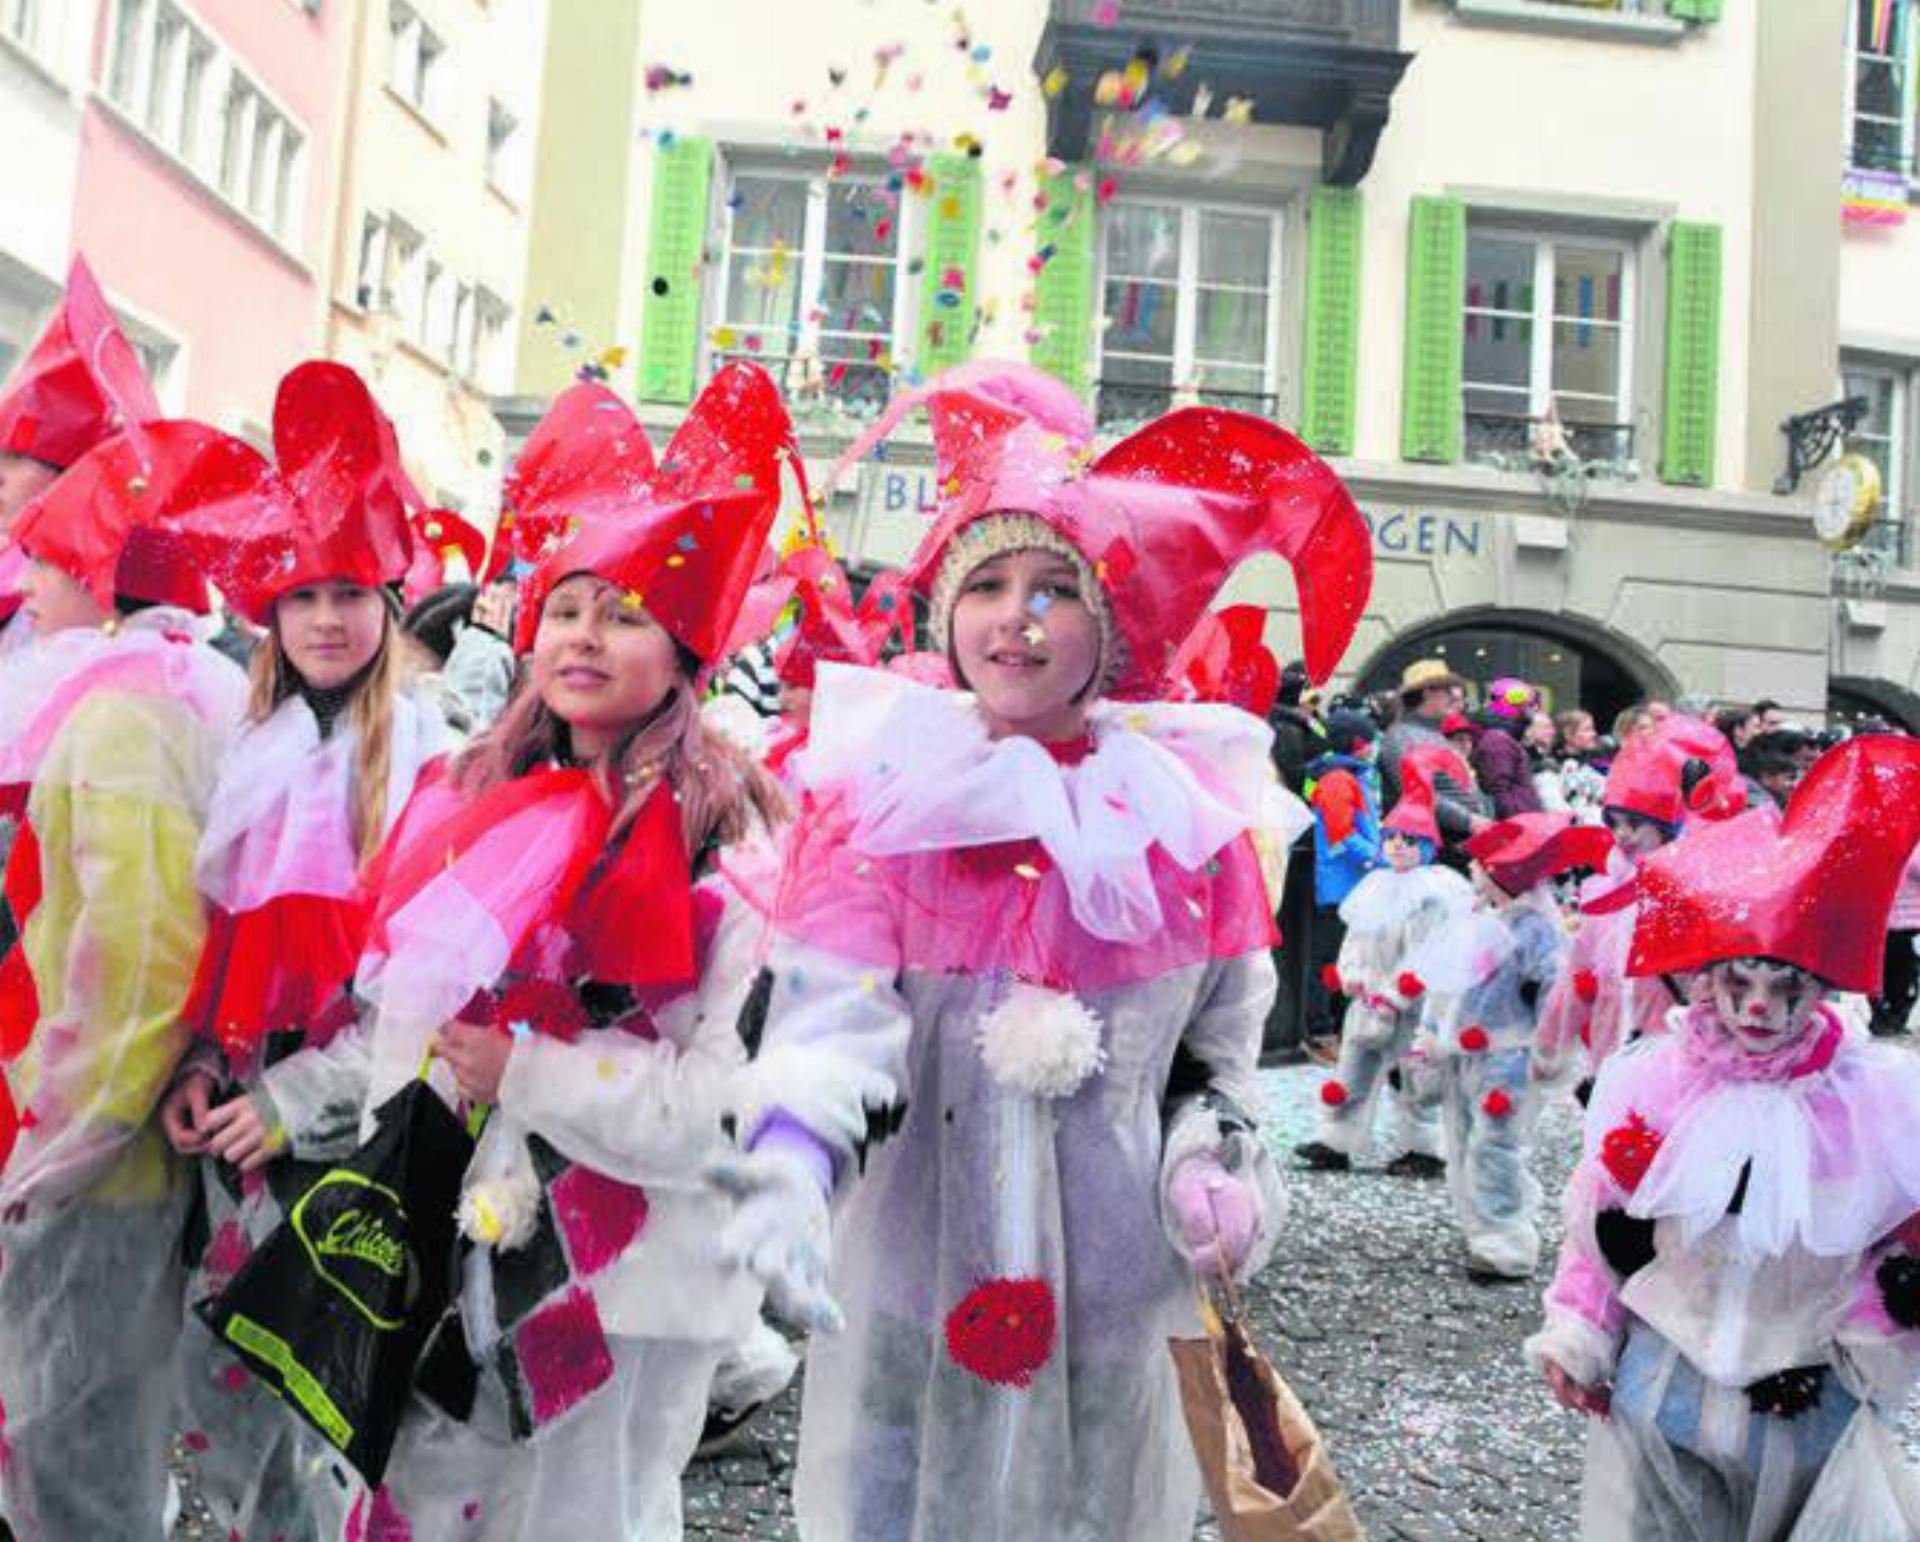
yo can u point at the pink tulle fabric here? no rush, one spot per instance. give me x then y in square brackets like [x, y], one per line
[1824, 1130]
[1004, 907]
[1595, 1005]
[153, 654]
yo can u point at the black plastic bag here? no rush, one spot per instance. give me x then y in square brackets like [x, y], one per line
[332, 1310]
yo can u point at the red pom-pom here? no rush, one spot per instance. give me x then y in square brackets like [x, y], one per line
[1496, 1104]
[1628, 1150]
[1003, 1331]
[1586, 985]
[1410, 985]
[1474, 1039]
[1330, 977]
[1333, 1094]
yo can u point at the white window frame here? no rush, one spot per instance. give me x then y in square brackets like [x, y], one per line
[21, 22]
[1910, 91]
[147, 88]
[812, 258]
[503, 155]
[1187, 290]
[416, 60]
[1540, 390]
[492, 340]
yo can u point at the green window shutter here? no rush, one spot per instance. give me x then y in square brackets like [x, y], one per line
[1694, 10]
[1333, 319]
[1692, 374]
[1430, 405]
[1063, 298]
[670, 305]
[953, 241]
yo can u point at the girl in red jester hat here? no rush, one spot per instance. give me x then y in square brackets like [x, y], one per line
[112, 725]
[328, 756]
[549, 925]
[1390, 917]
[1485, 972]
[1021, 970]
[1738, 1297]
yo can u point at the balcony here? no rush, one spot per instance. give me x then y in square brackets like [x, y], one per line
[1512, 441]
[1123, 405]
[1325, 64]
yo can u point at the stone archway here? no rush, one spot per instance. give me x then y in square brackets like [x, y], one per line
[1580, 662]
[1854, 696]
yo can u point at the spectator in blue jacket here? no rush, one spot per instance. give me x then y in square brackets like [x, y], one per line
[1344, 792]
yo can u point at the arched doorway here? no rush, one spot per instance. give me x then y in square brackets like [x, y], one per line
[1852, 699]
[1576, 663]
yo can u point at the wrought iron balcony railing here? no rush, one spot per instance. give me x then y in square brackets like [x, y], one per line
[1512, 439]
[1120, 404]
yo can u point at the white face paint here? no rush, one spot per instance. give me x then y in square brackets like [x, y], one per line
[1763, 1006]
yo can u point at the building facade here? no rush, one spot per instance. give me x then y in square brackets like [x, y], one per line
[428, 261]
[43, 91]
[1876, 613]
[208, 151]
[1545, 278]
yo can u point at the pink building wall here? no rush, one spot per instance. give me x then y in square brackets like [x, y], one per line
[172, 251]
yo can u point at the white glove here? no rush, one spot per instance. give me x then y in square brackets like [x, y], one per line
[780, 1233]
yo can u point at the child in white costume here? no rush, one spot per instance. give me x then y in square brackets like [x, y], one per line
[1390, 916]
[329, 755]
[1021, 974]
[549, 924]
[1485, 973]
[1738, 1294]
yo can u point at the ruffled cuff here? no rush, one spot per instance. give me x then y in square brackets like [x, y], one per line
[781, 1135]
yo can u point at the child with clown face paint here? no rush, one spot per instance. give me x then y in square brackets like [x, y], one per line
[1738, 1295]
[1021, 972]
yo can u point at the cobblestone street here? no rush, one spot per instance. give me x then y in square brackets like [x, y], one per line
[1413, 1373]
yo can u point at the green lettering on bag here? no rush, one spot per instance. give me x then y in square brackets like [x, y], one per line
[355, 1234]
[264, 1344]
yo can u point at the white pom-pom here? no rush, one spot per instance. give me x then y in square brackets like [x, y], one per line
[1041, 1042]
[500, 1212]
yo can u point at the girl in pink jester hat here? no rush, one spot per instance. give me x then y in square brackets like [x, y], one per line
[331, 750]
[1485, 972]
[549, 925]
[1390, 916]
[1738, 1297]
[112, 725]
[1663, 782]
[1020, 973]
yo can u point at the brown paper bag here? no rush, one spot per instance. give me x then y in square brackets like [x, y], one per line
[1264, 1464]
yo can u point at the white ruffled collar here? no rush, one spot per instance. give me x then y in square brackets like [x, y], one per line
[919, 773]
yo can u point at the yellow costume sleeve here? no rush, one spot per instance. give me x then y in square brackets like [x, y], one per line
[112, 945]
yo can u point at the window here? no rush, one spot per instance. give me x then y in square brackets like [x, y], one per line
[812, 281]
[430, 325]
[502, 148]
[1190, 305]
[130, 23]
[259, 158]
[1883, 438]
[1548, 328]
[372, 292]
[404, 286]
[192, 99]
[491, 359]
[1886, 55]
[20, 20]
[459, 343]
[413, 67]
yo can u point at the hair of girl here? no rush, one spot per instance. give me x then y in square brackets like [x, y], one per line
[719, 787]
[273, 679]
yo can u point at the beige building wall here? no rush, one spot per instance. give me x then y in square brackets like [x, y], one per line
[1638, 131]
[430, 261]
[578, 257]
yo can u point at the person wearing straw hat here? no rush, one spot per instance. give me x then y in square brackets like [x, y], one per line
[1430, 692]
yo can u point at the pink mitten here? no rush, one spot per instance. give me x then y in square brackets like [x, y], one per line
[1218, 1214]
